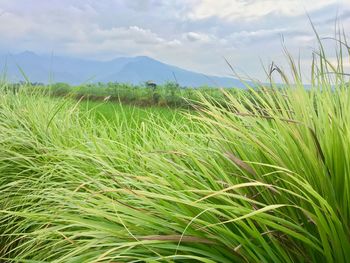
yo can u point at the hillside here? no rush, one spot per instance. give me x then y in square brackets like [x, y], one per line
[45, 68]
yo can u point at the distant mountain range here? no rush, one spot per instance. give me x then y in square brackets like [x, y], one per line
[135, 70]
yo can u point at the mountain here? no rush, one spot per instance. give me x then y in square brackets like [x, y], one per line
[45, 68]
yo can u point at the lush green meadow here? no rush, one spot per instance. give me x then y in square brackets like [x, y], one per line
[114, 112]
[262, 177]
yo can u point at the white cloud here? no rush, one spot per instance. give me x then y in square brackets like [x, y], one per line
[130, 40]
[13, 26]
[194, 36]
[132, 33]
[253, 9]
[248, 36]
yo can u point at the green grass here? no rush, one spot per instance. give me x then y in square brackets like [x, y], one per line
[262, 178]
[112, 111]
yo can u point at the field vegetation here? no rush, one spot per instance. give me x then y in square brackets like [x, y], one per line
[263, 177]
[169, 95]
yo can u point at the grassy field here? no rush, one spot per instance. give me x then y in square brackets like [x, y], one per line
[169, 95]
[262, 178]
[133, 115]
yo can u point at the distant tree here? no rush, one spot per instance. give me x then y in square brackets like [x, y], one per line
[60, 88]
[171, 88]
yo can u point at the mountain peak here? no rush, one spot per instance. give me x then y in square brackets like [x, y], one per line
[146, 59]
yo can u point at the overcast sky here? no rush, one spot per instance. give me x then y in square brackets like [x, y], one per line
[193, 34]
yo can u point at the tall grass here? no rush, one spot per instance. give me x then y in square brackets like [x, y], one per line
[263, 180]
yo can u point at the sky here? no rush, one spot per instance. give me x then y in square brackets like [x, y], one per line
[193, 34]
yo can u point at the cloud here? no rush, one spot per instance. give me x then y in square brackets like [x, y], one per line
[19, 27]
[132, 33]
[193, 37]
[194, 34]
[143, 5]
[130, 40]
[249, 36]
[253, 9]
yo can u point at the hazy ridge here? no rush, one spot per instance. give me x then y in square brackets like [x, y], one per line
[46, 68]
